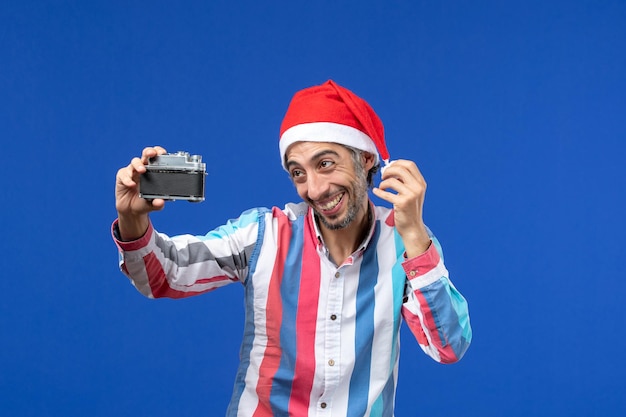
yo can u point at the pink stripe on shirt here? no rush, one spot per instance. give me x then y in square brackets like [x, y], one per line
[306, 320]
[274, 311]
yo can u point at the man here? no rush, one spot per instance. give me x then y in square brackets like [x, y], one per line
[327, 281]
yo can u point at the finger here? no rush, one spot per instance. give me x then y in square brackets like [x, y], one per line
[158, 204]
[387, 196]
[148, 153]
[404, 170]
[400, 186]
[405, 184]
[137, 165]
[403, 173]
[127, 181]
[151, 152]
[125, 177]
[399, 193]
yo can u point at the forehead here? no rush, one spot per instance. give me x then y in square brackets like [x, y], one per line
[303, 151]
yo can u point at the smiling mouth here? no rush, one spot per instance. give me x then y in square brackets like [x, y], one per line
[331, 204]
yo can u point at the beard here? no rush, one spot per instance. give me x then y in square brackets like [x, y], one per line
[357, 192]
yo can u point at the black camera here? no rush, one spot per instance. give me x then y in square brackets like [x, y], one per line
[174, 176]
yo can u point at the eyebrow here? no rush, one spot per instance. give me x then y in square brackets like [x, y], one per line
[315, 157]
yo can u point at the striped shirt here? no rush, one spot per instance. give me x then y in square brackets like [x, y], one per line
[319, 339]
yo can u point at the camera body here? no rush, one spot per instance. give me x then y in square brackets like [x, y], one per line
[174, 176]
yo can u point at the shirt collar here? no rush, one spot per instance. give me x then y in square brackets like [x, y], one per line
[361, 248]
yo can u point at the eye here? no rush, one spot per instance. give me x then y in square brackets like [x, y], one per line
[296, 173]
[326, 163]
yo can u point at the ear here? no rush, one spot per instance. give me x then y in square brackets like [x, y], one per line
[369, 160]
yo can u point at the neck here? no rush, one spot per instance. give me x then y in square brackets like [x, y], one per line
[342, 243]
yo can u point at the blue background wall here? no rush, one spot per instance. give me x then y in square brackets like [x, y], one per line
[514, 112]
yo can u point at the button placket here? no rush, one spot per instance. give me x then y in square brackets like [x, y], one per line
[332, 344]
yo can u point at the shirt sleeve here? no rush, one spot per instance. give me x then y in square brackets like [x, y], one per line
[434, 310]
[182, 266]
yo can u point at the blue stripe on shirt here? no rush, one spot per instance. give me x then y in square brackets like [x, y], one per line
[247, 218]
[443, 312]
[364, 330]
[289, 291]
[383, 405]
[248, 336]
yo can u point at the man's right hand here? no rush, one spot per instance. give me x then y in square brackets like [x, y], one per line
[132, 210]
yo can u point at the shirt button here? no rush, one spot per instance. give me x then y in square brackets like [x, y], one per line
[412, 273]
[333, 317]
[323, 405]
[331, 362]
[337, 274]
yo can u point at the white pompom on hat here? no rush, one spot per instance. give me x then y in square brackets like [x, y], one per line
[331, 113]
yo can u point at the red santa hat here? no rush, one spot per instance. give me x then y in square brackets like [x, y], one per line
[331, 113]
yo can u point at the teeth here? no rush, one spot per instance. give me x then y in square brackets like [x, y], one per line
[332, 203]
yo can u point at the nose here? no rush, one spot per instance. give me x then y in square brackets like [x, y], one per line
[317, 186]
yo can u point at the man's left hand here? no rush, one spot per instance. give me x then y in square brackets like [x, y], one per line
[404, 186]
